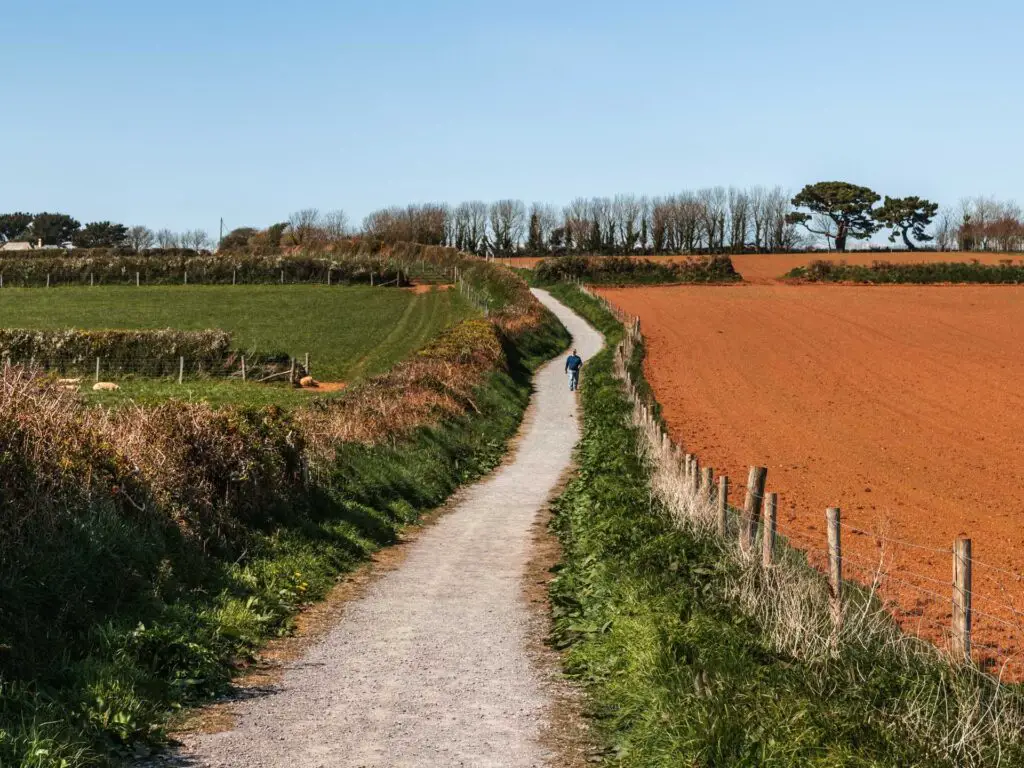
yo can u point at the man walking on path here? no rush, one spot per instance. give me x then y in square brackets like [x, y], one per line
[573, 363]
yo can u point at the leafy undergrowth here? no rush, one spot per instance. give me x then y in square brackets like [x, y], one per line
[676, 672]
[884, 272]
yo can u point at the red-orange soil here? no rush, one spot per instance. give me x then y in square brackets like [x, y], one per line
[902, 405]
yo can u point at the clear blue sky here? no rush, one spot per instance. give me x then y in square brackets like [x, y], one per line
[173, 114]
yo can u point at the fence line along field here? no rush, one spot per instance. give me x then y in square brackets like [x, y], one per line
[348, 332]
[902, 405]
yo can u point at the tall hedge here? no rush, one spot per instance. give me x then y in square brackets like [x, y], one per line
[623, 270]
[111, 267]
[144, 352]
[887, 272]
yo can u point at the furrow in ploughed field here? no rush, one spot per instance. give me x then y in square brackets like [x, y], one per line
[902, 405]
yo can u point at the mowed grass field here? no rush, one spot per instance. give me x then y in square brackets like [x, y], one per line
[901, 405]
[349, 332]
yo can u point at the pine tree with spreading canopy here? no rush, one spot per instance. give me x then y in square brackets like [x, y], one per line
[907, 216]
[848, 206]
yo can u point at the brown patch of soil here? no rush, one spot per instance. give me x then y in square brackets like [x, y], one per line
[419, 288]
[904, 406]
[325, 386]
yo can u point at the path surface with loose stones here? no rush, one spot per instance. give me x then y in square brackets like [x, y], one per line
[430, 666]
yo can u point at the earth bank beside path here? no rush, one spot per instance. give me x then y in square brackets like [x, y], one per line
[431, 665]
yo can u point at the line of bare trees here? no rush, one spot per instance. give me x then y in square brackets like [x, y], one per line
[714, 219]
[980, 224]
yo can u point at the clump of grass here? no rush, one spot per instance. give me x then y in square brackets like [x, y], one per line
[884, 272]
[693, 654]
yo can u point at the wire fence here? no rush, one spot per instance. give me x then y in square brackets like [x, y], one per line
[75, 372]
[383, 273]
[971, 608]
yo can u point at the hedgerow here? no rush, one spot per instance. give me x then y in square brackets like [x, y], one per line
[623, 270]
[884, 272]
[177, 267]
[145, 352]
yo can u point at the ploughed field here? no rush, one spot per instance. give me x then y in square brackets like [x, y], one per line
[349, 332]
[902, 405]
[769, 267]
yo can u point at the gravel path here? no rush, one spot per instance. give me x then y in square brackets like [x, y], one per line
[430, 666]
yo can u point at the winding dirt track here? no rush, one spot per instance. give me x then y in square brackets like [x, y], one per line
[431, 665]
[902, 405]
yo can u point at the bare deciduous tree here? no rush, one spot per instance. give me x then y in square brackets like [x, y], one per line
[167, 239]
[508, 225]
[304, 227]
[139, 238]
[195, 239]
[334, 226]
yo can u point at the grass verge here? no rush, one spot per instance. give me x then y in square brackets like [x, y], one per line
[683, 668]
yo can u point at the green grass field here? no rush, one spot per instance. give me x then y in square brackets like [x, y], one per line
[349, 332]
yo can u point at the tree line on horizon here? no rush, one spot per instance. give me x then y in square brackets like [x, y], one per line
[710, 220]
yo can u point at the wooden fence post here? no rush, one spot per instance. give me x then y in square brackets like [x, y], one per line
[688, 469]
[91, 283]
[282, 277]
[181, 369]
[328, 277]
[243, 367]
[752, 507]
[961, 645]
[97, 369]
[695, 476]
[707, 485]
[771, 503]
[835, 566]
[371, 278]
[235, 271]
[137, 282]
[306, 366]
[186, 277]
[723, 505]
[47, 279]
[291, 373]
